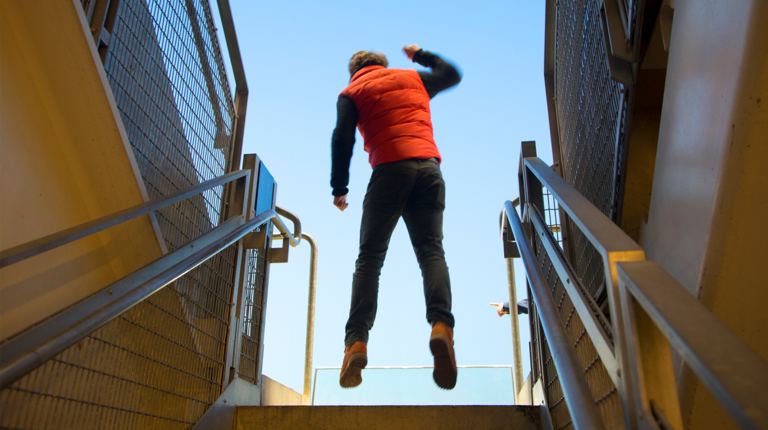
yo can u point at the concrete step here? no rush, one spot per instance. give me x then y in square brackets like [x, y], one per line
[387, 417]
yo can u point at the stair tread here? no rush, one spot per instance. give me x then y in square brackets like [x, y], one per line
[387, 417]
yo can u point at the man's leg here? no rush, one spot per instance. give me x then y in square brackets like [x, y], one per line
[387, 194]
[423, 216]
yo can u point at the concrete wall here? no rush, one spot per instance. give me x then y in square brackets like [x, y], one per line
[710, 194]
[277, 394]
[64, 160]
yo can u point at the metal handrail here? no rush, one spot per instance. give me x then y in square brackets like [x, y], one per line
[293, 239]
[296, 223]
[33, 347]
[310, 313]
[585, 305]
[650, 313]
[583, 411]
[613, 245]
[309, 346]
[52, 241]
[138, 286]
[732, 371]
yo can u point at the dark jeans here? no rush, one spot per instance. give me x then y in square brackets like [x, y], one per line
[413, 189]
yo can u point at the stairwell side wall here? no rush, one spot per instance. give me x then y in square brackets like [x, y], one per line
[710, 197]
[63, 161]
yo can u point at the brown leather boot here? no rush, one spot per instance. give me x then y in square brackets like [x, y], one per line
[441, 345]
[355, 360]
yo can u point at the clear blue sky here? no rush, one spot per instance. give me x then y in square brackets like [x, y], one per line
[295, 56]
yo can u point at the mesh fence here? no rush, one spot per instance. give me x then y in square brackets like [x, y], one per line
[591, 116]
[253, 305]
[162, 363]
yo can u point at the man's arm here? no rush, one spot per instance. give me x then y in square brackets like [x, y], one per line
[443, 75]
[342, 142]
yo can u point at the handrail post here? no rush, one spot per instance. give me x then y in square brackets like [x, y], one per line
[310, 314]
[244, 202]
[650, 365]
[518, 356]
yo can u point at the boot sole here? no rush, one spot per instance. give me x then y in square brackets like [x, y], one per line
[445, 372]
[351, 376]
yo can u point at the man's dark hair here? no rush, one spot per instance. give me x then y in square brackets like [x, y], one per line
[364, 59]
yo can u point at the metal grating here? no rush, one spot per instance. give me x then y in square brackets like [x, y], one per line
[169, 82]
[162, 363]
[603, 391]
[591, 116]
[253, 302]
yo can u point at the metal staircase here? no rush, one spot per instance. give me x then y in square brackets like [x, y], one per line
[174, 340]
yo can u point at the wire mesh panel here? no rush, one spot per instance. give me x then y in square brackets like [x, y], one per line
[603, 391]
[164, 66]
[253, 306]
[591, 117]
[552, 216]
[162, 363]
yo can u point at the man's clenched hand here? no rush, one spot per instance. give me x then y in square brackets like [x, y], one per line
[499, 308]
[340, 202]
[411, 50]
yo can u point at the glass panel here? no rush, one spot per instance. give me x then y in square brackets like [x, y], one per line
[406, 386]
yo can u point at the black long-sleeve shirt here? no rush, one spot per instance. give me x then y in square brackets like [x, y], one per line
[442, 77]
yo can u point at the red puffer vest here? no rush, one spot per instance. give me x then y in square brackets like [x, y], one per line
[393, 114]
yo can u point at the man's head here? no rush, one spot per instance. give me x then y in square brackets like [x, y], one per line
[364, 59]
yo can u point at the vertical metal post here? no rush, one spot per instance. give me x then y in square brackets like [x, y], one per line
[310, 314]
[532, 186]
[242, 197]
[265, 291]
[518, 370]
[650, 358]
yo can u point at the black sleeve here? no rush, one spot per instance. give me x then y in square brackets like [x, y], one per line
[505, 307]
[443, 75]
[342, 142]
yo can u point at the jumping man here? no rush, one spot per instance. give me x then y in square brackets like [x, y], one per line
[391, 109]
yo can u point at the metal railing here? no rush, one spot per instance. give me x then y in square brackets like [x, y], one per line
[123, 339]
[621, 366]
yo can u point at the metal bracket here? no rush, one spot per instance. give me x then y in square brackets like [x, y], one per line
[258, 238]
[617, 34]
[279, 255]
[620, 69]
[508, 239]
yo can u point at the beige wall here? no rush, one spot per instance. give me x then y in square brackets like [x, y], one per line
[277, 394]
[64, 160]
[710, 192]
